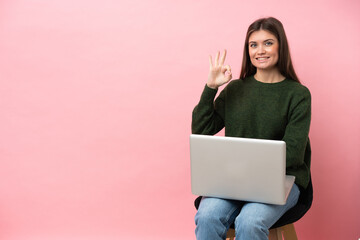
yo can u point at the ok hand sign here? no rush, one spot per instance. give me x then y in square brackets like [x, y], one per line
[218, 74]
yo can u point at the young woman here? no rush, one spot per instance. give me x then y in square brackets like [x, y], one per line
[267, 102]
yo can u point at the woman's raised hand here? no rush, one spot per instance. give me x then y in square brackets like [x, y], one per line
[218, 74]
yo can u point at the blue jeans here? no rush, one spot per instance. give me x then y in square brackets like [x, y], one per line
[252, 220]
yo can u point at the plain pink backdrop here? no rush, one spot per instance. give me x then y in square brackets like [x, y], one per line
[96, 100]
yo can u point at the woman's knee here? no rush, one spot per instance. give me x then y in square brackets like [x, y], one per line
[215, 211]
[206, 218]
[249, 225]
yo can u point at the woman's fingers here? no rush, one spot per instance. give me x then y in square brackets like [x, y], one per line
[227, 73]
[217, 58]
[210, 61]
[223, 58]
[225, 69]
[228, 69]
[218, 61]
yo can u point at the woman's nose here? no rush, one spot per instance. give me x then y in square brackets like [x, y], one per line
[261, 50]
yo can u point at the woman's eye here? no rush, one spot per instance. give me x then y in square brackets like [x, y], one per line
[268, 43]
[252, 45]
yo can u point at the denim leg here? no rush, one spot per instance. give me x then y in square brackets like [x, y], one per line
[255, 219]
[214, 217]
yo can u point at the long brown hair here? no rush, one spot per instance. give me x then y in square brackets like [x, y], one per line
[284, 63]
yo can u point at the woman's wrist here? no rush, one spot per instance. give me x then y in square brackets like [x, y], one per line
[212, 86]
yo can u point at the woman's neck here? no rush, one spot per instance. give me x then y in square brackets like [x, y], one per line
[269, 76]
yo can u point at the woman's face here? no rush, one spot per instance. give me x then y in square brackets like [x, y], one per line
[263, 50]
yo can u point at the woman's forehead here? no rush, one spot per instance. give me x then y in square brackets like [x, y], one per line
[261, 35]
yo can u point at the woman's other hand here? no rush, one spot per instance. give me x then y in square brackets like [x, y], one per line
[218, 74]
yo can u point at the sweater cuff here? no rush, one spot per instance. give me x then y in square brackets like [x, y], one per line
[208, 93]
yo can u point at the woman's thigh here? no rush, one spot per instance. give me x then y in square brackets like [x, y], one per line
[267, 214]
[222, 209]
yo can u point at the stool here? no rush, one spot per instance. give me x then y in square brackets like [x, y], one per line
[286, 232]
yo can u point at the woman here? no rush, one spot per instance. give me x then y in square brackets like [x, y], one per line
[267, 102]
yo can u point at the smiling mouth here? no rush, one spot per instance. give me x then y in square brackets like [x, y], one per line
[262, 58]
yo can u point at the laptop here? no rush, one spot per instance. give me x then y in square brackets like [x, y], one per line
[239, 168]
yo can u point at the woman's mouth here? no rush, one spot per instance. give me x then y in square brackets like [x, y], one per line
[262, 58]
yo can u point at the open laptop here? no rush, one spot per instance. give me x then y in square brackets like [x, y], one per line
[239, 168]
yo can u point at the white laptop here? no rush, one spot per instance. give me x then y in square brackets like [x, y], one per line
[239, 168]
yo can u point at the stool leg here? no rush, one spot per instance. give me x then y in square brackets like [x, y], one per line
[275, 234]
[230, 234]
[289, 232]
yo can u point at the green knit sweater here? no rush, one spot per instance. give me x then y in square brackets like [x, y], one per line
[252, 109]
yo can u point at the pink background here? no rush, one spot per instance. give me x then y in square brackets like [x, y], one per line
[96, 100]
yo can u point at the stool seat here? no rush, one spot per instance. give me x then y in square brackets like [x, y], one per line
[286, 232]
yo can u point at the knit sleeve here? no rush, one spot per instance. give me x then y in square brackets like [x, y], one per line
[207, 116]
[297, 131]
